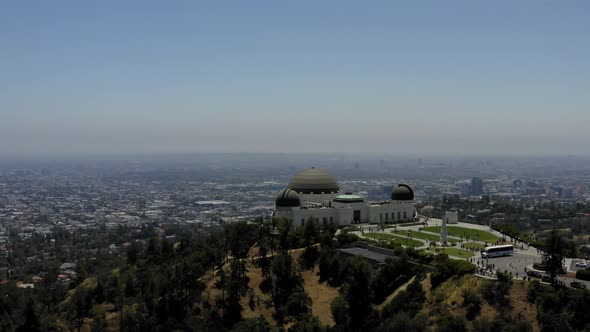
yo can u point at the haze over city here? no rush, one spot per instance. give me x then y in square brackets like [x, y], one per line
[458, 77]
[294, 166]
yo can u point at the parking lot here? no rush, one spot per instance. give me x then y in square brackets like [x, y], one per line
[518, 262]
[515, 264]
[573, 267]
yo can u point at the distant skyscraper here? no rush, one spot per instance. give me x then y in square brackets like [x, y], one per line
[476, 187]
[567, 193]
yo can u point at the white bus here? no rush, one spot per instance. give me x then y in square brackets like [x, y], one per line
[497, 251]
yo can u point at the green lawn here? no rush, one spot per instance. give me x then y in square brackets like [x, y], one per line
[456, 252]
[379, 236]
[476, 245]
[406, 242]
[462, 231]
[420, 235]
[394, 239]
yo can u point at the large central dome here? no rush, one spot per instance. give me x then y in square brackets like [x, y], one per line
[314, 181]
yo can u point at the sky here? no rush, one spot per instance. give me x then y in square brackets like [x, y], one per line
[391, 77]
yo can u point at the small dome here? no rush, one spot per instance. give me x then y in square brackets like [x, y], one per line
[314, 181]
[402, 193]
[348, 198]
[287, 198]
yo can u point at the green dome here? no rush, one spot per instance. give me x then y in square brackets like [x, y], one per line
[348, 198]
[314, 181]
[287, 198]
[402, 192]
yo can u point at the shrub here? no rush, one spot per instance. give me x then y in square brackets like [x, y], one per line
[540, 266]
[409, 301]
[494, 292]
[404, 322]
[390, 276]
[472, 303]
[446, 268]
[534, 288]
[451, 323]
[583, 274]
[339, 309]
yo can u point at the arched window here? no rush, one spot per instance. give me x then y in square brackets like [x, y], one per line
[386, 216]
[399, 215]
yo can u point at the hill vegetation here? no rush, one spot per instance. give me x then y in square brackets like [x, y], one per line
[248, 277]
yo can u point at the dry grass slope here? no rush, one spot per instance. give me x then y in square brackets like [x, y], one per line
[321, 294]
[394, 294]
[449, 295]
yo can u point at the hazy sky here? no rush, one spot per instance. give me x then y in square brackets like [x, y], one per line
[301, 76]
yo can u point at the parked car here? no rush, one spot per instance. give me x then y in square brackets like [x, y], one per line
[582, 264]
[534, 274]
[577, 284]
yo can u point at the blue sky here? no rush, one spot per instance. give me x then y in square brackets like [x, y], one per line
[299, 76]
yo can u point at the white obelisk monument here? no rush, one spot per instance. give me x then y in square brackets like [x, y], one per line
[443, 232]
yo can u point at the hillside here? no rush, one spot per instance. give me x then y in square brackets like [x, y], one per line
[298, 286]
[321, 294]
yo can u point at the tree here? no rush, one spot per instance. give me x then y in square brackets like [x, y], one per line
[555, 323]
[133, 253]
[31, 322]
[288, 294]
[340, 310]
[310, 232]
[284, 227]
[446, 268]
[239, 238]
[554, 254]
[495, 292]
[307, 323]
[232, 312]
[409, 300]
[472, 303]
[99, 324]
[404, 322]
[253, 325]
[357, 291]
[154, 248]
[99, 291]
[450, 323]
[309, 257]
[78, 307]
[310, 237]
[298, 304]
[389, 277]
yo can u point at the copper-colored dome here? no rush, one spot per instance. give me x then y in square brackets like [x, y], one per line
[314, 181]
